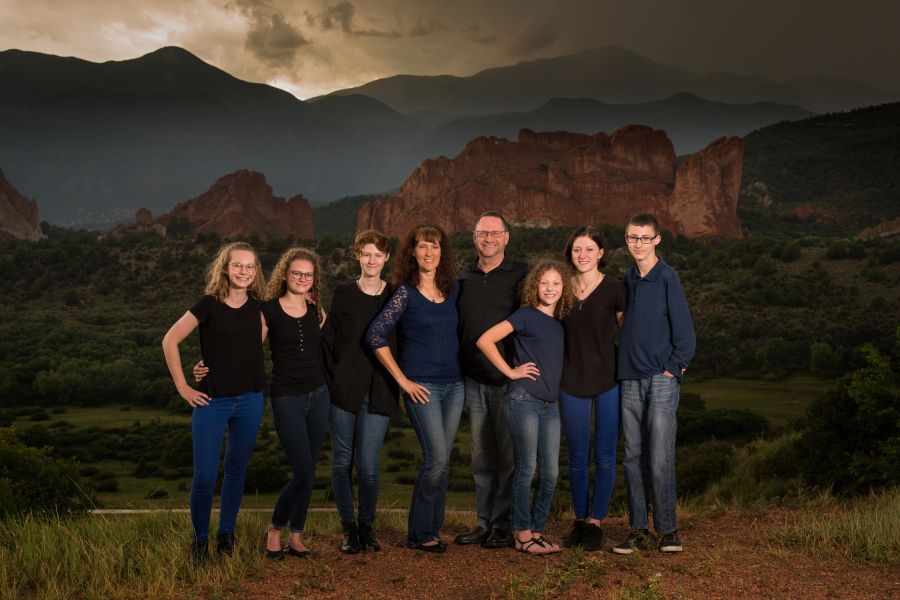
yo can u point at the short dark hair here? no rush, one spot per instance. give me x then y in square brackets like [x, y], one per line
[496, 215]
[644, 219]
[591, 232]
[370, 236]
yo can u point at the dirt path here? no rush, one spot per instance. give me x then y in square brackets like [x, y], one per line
[727, 556]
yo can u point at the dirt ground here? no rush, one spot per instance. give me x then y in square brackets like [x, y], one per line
[727, 555]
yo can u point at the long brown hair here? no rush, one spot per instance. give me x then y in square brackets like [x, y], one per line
[278, 286]
[407, 269]
[217, 273]
[530, 295]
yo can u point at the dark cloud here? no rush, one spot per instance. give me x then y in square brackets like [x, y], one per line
[425, 27]
[340, 17]
[473, 33]
[540, 34]
[271, 38]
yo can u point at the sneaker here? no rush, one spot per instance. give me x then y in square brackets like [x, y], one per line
[670, 542]
[576, 534]
[366, 541]
[638, 539]
[350, 541]
[592, 538]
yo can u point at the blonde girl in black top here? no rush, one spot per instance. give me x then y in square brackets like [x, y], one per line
[231, 335]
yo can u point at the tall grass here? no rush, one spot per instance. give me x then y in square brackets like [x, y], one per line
[868, 529]
[145, 556]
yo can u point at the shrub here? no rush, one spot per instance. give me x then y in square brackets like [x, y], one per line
[107, 485]
[31, 480]
[701, 465]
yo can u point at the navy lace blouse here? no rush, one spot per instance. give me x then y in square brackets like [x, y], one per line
[429, 348]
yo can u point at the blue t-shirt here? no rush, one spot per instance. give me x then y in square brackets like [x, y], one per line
[539, 339]
[429, 347]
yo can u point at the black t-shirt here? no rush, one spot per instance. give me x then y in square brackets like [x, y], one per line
[294, 342]
[351, 366]
[486, 299]
[589, 366]
[231, 345]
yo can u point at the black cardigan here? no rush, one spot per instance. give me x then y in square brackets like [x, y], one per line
[350, 365]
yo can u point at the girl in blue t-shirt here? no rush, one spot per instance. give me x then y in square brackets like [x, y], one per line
[533, 394]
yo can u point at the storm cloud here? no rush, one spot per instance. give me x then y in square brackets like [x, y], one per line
[270, 37]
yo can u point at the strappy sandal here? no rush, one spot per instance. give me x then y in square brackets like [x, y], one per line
[532, 546]
[548, 546]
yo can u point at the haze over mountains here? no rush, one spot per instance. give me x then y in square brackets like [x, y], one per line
[92, 142]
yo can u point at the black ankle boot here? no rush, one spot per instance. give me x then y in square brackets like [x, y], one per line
[199, 552]
[366, 541]
[225, 543]
[350, 543]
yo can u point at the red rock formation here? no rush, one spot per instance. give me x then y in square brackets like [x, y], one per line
[241, 204]
[18, 214]
[571, 179]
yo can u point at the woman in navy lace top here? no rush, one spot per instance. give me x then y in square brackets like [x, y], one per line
[423, 310]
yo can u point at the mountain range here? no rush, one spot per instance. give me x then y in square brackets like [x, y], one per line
[92, 142]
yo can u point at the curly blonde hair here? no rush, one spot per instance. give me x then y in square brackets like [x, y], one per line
[217, 273]
[530, 295]
[278, 286]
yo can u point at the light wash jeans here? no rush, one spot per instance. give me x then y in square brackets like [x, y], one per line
[435, 424]
[492, 453]
[356, 438]
[534, 425]
[649, 426]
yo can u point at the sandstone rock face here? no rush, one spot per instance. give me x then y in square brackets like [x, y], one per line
[18, 214]
[241, 204]
[571, 179]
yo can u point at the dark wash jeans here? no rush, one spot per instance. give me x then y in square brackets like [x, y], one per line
[356, 437]
[301, 422]
[435, 424]
[240, 416]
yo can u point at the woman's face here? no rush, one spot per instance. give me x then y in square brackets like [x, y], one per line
[241, 269]
[371, 260]
[586, 254]
[428, 255]
[550, 287]
[299, 276]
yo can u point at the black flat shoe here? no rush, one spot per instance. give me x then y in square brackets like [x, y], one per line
[271, 554]
[438, 548]
[300, 553]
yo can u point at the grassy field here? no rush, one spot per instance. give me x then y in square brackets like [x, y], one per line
[779, 402]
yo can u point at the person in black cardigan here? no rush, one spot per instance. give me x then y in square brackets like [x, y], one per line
[363, 393]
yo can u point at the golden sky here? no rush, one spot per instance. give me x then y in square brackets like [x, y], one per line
[310, 47]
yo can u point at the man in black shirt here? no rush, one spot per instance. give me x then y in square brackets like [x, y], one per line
[489, 292]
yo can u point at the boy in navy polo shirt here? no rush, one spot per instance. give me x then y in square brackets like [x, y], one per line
[656, 344]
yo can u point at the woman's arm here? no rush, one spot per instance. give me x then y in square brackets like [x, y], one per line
[487, 343]
[418, 393]
[620, 316]
[176, 334]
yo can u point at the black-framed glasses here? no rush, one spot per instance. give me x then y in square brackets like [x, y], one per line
[644, 239]
[301, 275]
[484, 234]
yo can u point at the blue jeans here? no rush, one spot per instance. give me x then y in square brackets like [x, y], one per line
[576, 421]
[435, 424]
[356, 438]
[301, 422]
[649, 426]
[241, 416]
[534, 425]
[492, 453]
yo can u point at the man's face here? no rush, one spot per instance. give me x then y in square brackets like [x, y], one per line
[490, 237]
[641, 241]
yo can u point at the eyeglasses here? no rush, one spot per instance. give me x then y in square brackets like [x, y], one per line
[644, 239]
[243, 267]
[484, 234]
[301, 275]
